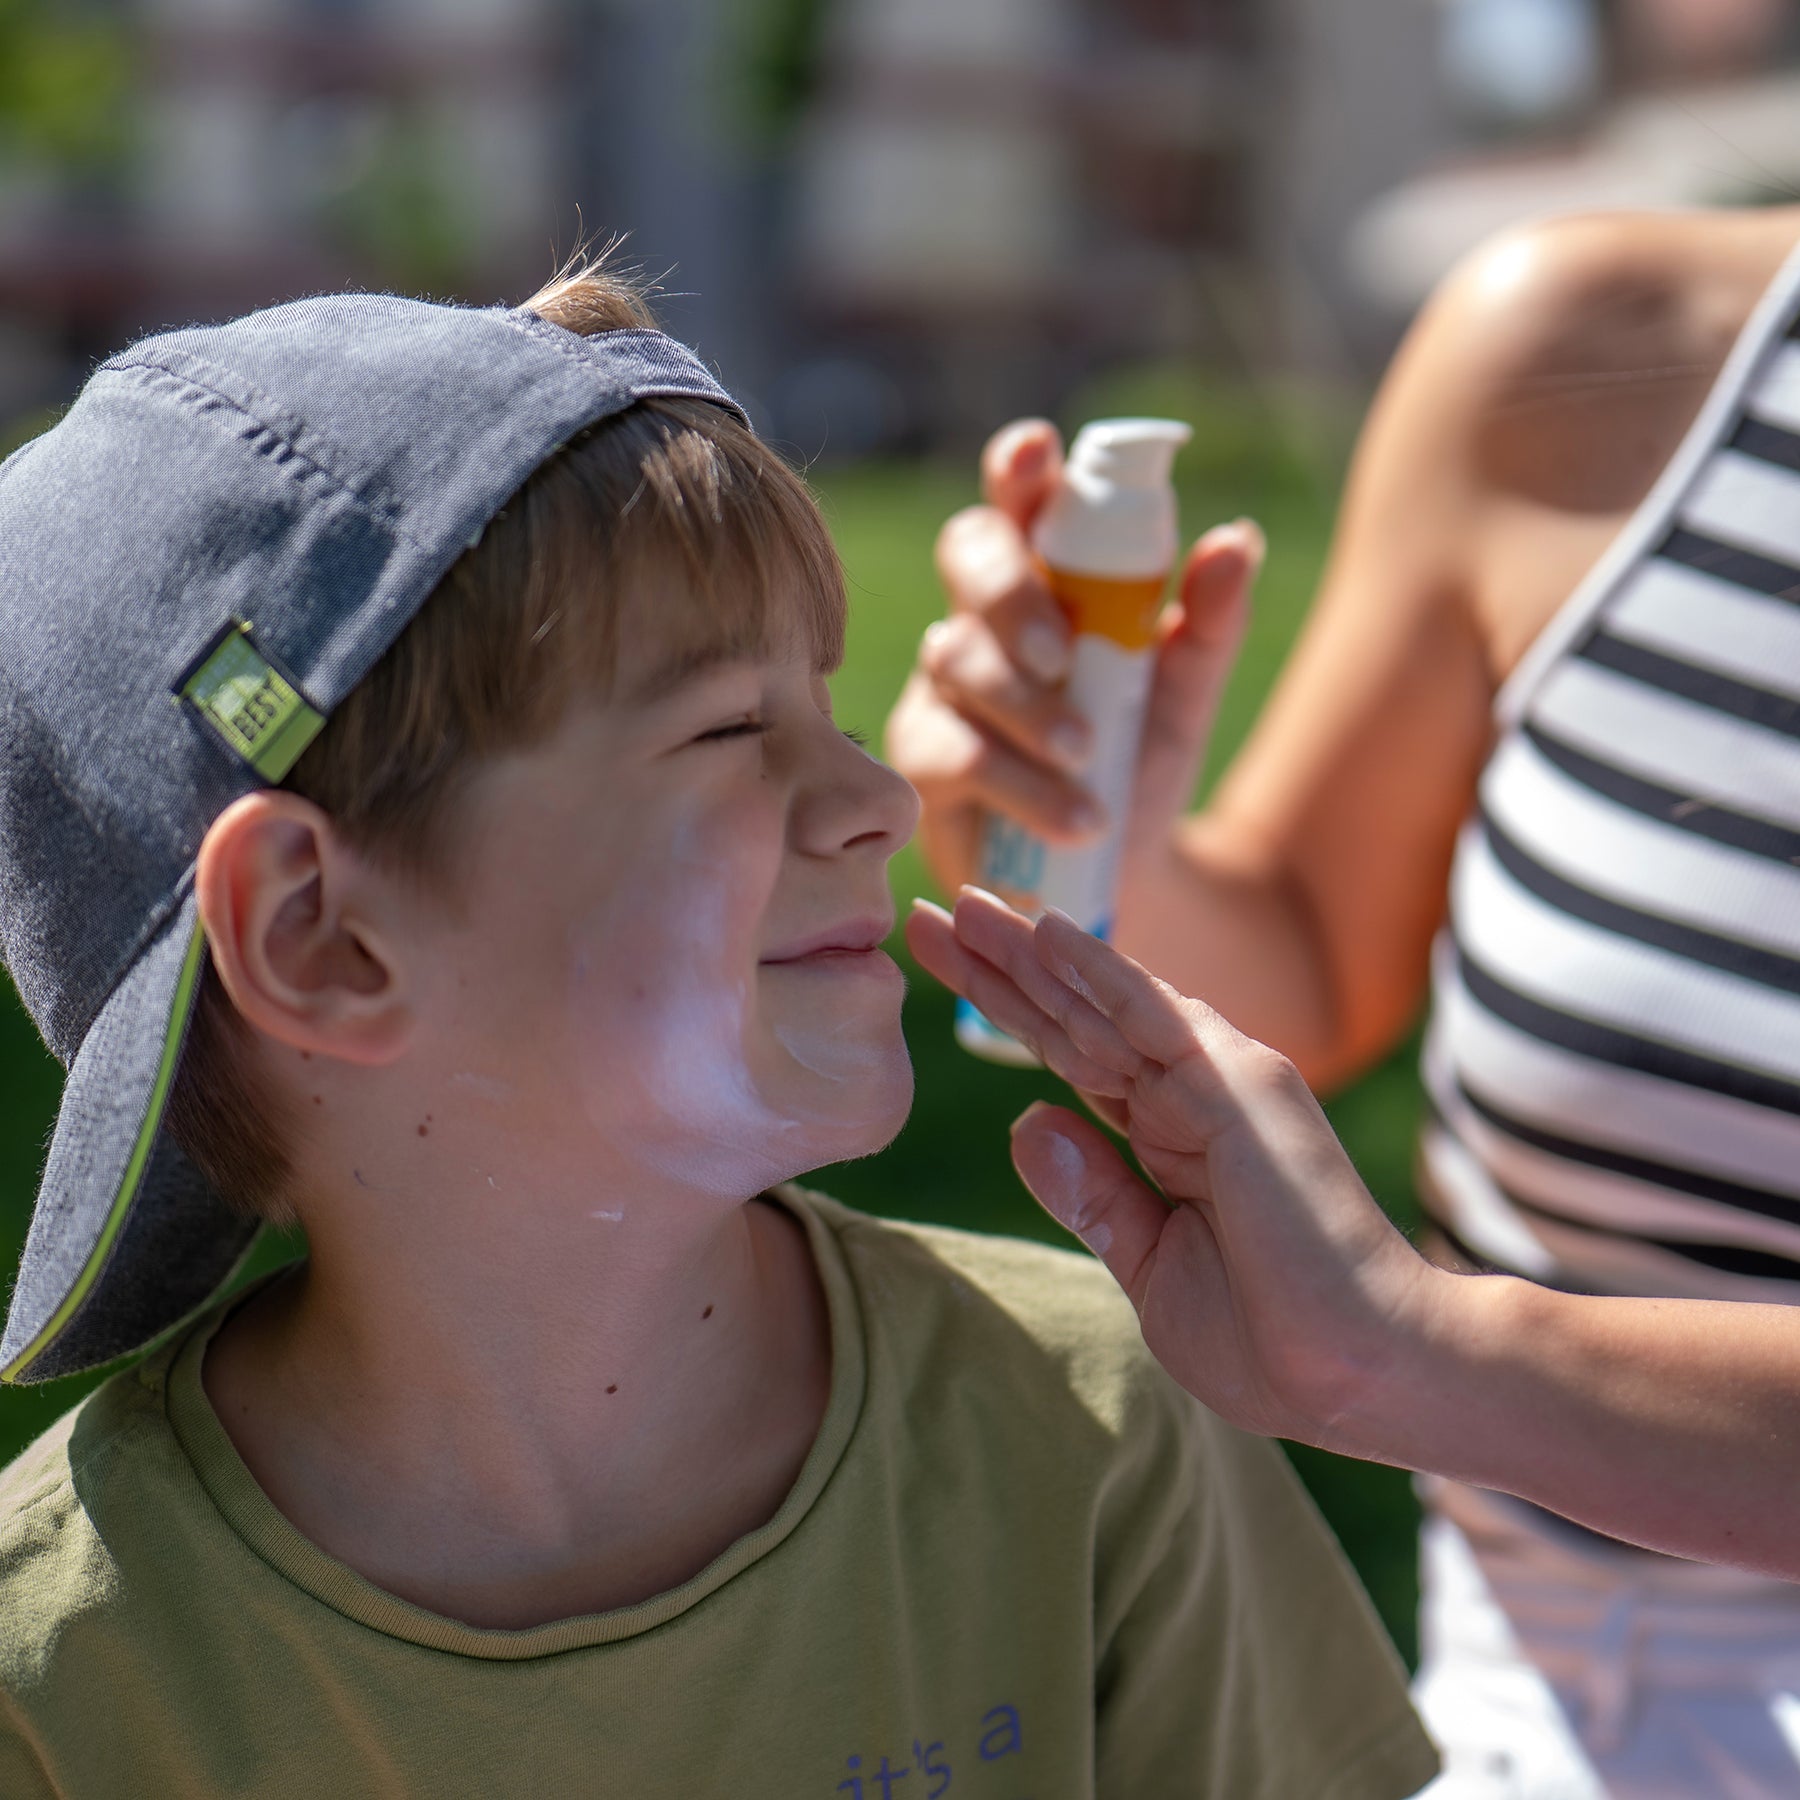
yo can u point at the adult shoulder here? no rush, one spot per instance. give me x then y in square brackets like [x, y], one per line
[1574, 351]
[1531, 407]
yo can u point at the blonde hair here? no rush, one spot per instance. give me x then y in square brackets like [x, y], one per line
[524, 622]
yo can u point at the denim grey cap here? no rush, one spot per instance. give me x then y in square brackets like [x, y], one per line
[197, 563]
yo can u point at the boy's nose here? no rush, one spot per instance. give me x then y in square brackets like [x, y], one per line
[867, 806]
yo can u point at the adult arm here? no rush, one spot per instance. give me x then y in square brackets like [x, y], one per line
[1272, 1287]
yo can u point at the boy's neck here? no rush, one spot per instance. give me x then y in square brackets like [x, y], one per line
[535, 1427]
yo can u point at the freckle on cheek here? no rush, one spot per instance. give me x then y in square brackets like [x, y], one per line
[614, 1388]
[707, 1314]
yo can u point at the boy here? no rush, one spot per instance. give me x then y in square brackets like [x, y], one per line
[580, 1455]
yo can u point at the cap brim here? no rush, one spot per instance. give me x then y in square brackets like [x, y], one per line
[128, 1237]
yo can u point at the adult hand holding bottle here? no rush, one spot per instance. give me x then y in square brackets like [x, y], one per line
[984, 724]
[1272, 1287]
[1302, 901]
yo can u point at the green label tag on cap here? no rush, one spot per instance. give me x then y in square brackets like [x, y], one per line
[257, 711]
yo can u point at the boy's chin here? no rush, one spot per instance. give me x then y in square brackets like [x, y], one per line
[866, 1130]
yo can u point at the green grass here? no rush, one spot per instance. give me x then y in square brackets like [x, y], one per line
[950, 1163]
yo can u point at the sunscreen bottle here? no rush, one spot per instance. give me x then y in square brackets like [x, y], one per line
[1105, 542]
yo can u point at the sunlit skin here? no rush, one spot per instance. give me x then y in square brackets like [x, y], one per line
[550, 1355]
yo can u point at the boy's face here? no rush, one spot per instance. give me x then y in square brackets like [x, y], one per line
[671, 929]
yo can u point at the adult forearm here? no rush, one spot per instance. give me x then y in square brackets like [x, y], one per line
[1271, 1287]
[1671, 1423]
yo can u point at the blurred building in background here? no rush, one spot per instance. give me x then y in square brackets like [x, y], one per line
[993, 193]
[1583, 105]
[891, 222]
[182, 159]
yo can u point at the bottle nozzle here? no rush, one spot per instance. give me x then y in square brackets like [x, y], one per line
[1133, 453]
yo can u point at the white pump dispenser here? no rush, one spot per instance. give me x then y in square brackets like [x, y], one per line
[1105, 541]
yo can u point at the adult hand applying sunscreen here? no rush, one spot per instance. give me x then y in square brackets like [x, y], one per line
[1271, 1286]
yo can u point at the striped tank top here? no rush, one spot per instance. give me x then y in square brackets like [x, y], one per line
[1612, 1067]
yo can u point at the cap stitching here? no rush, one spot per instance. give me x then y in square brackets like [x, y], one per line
[382, 510]
[574, 347]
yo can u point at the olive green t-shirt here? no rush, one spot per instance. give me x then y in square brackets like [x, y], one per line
[1018, 1564]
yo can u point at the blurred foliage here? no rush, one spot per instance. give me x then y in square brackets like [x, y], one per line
[950, 1163]
[64, 77]
[14, 432]
[399, 214]
[1259, 437]
[769, 63]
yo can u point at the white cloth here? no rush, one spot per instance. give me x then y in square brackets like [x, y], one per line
[1556, 1666]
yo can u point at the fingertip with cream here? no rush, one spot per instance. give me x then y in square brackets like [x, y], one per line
[1050, 1162]
[1054, 1166]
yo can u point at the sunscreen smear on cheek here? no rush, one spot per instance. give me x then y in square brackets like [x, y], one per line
[1105, 544]
[659, 1013]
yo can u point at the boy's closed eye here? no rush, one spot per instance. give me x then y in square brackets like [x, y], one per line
[754, 727]
[737, 728]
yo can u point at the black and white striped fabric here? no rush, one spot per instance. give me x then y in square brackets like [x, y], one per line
[1613, 1062]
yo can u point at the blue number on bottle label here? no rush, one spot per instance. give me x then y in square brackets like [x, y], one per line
[1014, 857]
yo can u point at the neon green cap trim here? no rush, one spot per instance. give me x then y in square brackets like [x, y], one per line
[134, 1169]
[252, 706]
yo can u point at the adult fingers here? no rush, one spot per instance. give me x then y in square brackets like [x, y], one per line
[985, 565]
[969, 669]
[1194, 1077]
[1161, 1025]
[955, 761]
[1198, 646]
[932, 938]
[1020, 465]
[1005, 938]
[1082, 1181]
[1113, 1113]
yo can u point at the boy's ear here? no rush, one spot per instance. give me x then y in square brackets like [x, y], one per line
[302, 932]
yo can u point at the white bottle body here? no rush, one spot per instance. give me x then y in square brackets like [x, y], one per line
[1106, 542]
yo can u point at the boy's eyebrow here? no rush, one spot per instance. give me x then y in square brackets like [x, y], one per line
[663, 677]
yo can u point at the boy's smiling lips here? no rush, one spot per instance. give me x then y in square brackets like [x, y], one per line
[853, 944]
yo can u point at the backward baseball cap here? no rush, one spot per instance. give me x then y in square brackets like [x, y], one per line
[197, 563]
